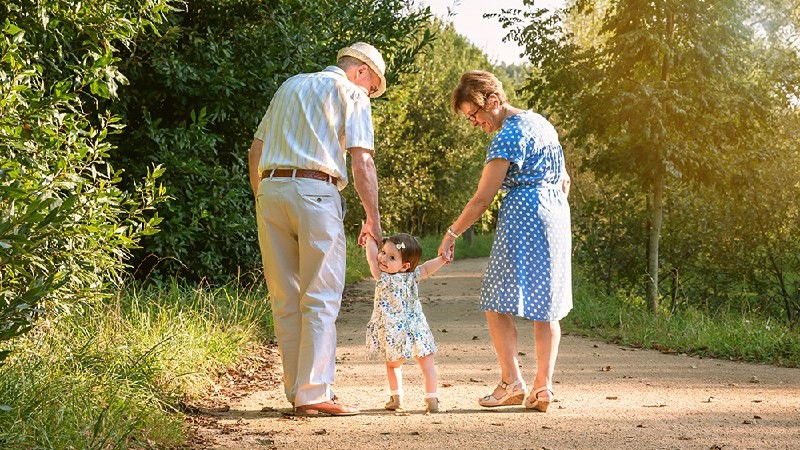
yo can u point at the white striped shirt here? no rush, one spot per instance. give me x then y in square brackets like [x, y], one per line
[311, 121]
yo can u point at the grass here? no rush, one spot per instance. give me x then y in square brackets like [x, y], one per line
[111, 376]
[624, 319]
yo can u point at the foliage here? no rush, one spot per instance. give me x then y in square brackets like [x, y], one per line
[674, 110]
[65, 226]
[197, 91]
[112, 375]
[740, 250]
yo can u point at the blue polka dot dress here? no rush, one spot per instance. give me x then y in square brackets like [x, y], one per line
[529, 272]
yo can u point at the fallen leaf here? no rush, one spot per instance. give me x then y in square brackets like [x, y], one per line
[605, 369]
[322, 431]
[611, 397]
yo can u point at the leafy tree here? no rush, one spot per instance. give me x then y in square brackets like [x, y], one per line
[744, 233]
[197, 91]
[661, 97]
[65, 226]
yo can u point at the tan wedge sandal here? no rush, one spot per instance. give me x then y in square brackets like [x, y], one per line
[511, 397]
[539, 404]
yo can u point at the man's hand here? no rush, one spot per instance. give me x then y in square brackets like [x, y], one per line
[370, 231]
[253, 159]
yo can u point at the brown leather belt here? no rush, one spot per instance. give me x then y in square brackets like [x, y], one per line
[299, 173]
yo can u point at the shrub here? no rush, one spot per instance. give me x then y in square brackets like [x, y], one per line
[65, 226]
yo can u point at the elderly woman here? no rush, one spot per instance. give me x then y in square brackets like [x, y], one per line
[529, 271]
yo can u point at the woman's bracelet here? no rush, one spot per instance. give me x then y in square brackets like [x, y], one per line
[452, 233]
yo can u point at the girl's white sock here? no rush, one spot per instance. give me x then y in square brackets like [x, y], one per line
[431, 395]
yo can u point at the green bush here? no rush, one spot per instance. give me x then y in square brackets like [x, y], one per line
[65, 227]
[197, 92]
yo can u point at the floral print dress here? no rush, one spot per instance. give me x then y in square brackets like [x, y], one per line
[398, 328]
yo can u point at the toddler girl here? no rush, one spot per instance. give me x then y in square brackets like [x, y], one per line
[398, 329]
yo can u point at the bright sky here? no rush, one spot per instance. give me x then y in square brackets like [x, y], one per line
[487, 34]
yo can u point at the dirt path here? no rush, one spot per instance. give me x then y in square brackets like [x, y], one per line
[609, 397]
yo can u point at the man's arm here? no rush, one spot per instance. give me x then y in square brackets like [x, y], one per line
[365, 179]
[253, 158]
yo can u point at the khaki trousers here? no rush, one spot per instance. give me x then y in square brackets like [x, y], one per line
[302, 242]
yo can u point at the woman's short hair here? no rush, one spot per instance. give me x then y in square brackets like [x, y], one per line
[475, 87]
[409, 248]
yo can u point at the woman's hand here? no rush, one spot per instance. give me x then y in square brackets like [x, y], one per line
[447, 248]
[566, 182]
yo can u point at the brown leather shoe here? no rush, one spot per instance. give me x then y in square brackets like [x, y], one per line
[332, 407]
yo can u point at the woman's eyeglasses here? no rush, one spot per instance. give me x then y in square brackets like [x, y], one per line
[472, 117]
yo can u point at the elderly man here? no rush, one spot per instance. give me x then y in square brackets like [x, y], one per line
[297, 168]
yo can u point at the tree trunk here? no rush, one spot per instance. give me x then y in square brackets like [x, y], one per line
[658, 184]
[652, 249]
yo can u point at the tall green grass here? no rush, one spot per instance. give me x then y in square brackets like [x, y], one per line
[623, 318]
[111, 376]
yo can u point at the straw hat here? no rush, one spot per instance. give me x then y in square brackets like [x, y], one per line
[370, 56]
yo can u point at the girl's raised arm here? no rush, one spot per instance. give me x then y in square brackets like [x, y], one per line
[372, 258]
[432, 265]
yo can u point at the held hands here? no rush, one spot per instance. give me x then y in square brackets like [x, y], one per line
[447, 248]
[370, 230]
